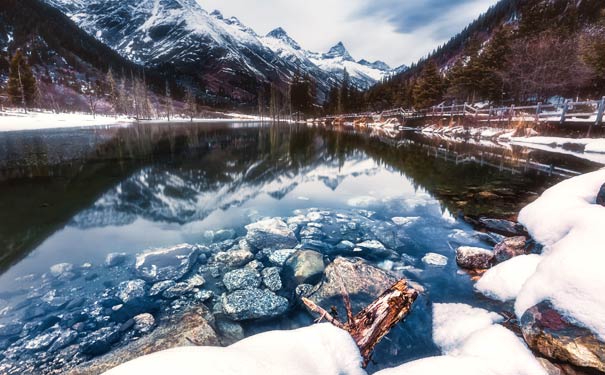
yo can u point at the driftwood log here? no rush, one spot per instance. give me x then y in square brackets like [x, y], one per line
[371, 324]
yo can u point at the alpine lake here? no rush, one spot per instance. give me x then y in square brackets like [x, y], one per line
[83, 212]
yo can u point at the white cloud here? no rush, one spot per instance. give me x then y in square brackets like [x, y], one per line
[319, 24]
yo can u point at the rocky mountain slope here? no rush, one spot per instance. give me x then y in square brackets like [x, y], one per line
[222, 54]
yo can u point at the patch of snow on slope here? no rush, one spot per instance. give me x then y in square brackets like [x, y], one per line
[568, 222]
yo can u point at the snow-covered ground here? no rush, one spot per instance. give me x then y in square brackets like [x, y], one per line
[38, 120]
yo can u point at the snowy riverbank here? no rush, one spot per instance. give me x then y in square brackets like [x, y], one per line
[20, 121]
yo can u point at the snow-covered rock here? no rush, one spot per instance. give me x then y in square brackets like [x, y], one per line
[504, 281]
[568, 222]
[472, 345]
[319, 349]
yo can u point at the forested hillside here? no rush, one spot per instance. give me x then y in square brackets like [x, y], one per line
[519, 51]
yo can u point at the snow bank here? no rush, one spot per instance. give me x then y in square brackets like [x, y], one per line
[472, 344]
[504, 282]
[568, 222]
[597, 146]
[318, 349]
[15, 121]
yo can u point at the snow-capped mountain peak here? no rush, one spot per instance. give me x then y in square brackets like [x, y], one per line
[223, 53]
[338, 51]
[380, 65]
[281, 34]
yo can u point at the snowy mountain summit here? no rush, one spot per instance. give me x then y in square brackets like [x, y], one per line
[221, 51]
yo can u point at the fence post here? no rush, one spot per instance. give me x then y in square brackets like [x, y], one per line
[538, 111]
[564, 113]
[600, 112]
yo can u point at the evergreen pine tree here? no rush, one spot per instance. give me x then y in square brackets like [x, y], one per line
[112, 92]
[429, 87]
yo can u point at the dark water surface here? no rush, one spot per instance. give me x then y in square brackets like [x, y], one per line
[74, 196]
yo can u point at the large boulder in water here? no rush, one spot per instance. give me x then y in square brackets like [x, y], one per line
[363, 282]
[601, 196]
[546, 331]
[271, 234]
[303, 267]
[166, 264]
[474, 258]
[250, 304]
[511, 247]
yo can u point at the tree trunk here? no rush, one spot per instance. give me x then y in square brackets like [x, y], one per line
[374, 322]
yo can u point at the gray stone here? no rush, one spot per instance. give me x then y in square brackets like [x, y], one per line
[511, 247]
[100, 341]
[166, 264]
[303, 267]
[65, 339]
[62, 270]
[42, 342]
[474, 258]
[196, 281]
[234, 258]
[548, 332]
[255, 265]
[253, 304]
[270, 234]
[223, 235]
[131, 290]
[144, 323]
[230, 332]
[177, 290]
[115, 259]
[203, 295]
[503, 227]
[304, 290]
[242, 279]
[372, 250]
[271, 279]
[159, 287]
[278, 257]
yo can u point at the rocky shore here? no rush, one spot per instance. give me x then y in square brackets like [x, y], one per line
[563, 345]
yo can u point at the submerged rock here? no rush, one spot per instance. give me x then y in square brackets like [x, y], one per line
[362, 281]
[303, 267]
[115, 259]
[230, 332]
[433, 259]
[100, 342]
[130, 290]
[503, 227]
[473, 258]
[177, 290]
[63, 271]
[271, 234]
[244, 278]
[253, 304]
[234, 258]
[144, 323]
[271, 278]
[279, 257]
[11, 329]
[601, 196]
[546, 331]
[166, 264]
[510, 248]
[159, 287]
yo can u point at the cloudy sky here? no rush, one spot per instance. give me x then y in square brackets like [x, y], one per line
[395, 31]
